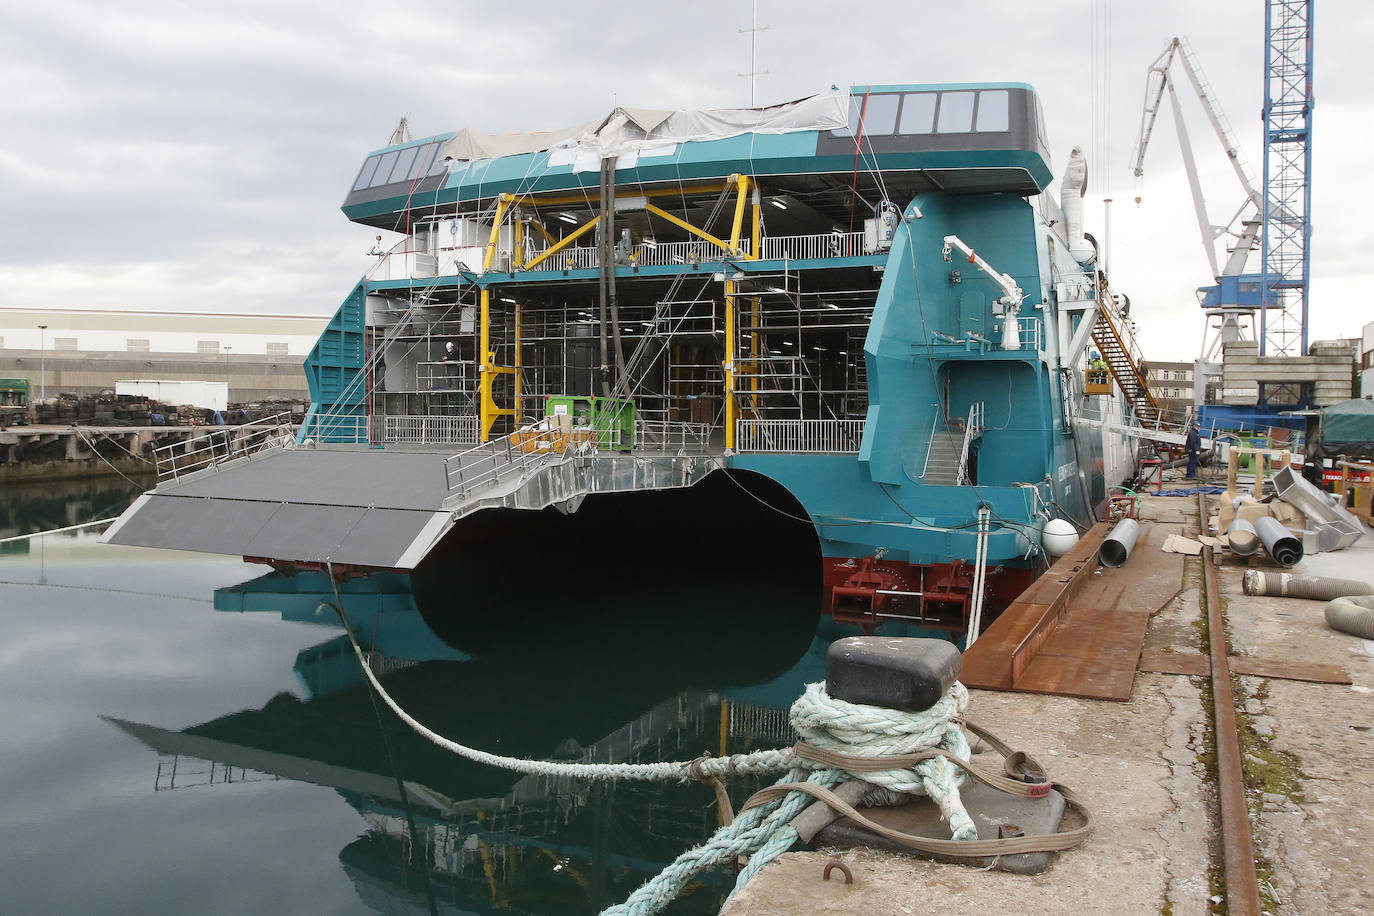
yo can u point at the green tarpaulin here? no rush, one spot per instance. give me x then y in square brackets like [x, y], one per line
[1345, 429]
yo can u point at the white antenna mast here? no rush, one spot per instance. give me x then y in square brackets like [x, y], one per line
[402, 132]
[753, 30]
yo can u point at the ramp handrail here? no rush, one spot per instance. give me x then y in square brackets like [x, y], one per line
[223, 444]
[972, 430]
[930, 443]
[515, 455]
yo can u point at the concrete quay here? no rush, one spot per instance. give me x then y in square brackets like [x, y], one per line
[1146, 768]
[54, 452]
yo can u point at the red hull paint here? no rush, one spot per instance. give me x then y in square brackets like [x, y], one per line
[862, 592]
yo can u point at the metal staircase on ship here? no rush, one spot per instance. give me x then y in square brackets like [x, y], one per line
[1112, 335]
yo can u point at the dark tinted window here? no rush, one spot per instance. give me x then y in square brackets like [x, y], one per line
[383, 169]
[403, 163]
[881, 114]
[918, 113]
[440, 163]
[878, 113]
[994, 110]
[422, 161]
[956, 112]
[365, 176]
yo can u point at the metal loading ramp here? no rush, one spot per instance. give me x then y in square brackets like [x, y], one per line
[383, 509]
[1078, 630]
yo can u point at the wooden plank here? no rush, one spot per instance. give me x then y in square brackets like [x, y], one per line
[1288, 670]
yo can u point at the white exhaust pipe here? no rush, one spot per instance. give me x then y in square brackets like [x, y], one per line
[1071, 190]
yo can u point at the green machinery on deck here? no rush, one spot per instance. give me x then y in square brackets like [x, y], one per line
[613, 419]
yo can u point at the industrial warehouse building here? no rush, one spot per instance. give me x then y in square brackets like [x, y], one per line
[85, 351]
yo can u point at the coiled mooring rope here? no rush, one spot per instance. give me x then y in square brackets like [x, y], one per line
[899, 754]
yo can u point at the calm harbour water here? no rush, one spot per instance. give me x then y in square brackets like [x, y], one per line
[190, 733]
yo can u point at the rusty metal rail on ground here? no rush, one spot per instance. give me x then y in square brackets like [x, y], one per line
[1242, 881]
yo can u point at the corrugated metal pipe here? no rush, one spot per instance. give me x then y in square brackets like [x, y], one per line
[1352, 615]
[1288, 585]
[1279, 542]
[1242, 538]
[1117, 546]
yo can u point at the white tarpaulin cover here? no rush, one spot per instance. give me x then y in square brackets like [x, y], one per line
[627, 130]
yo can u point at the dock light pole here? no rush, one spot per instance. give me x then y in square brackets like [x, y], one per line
[42, 361]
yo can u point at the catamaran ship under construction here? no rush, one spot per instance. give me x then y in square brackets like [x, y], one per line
[865, 297]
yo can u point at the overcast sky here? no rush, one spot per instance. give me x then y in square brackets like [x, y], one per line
[194, 155]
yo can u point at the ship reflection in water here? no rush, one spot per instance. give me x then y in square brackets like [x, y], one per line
[592, 661]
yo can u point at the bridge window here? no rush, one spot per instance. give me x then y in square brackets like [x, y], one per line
[384, 167]
[207, 346]
[956, 113]
[878, 113]
[422, 161]
[440, 163]
[918, 113]
[365, 176]
[277, 349]
[994, 111]
[403, 163]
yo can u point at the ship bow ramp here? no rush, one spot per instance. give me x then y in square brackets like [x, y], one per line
[369, 508]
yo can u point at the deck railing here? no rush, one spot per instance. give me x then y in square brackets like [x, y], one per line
[346, 428]
[813, 247]
[802, 436]
[402, 262]
[221, 445]
[425, 430]
[666, 436]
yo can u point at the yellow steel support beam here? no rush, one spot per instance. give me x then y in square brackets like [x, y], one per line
[756, 237]
[672, 191]
[486, 358]
[518, 256]
[503, 203]
[567, 240]
[539, 227]
[683, 224]
[737, 226]
[729, 364]
[742, 183]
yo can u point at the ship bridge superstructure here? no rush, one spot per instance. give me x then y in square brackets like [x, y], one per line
[864, 296]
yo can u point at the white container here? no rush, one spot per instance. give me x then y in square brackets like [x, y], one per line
[209, 395]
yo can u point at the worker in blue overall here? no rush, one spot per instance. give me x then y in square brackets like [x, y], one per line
[1192, 445]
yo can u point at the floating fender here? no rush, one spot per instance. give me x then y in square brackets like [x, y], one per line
[1117, 547]
[1058, 537]
[1353, 615]
[1279, 542]
[1317, 588]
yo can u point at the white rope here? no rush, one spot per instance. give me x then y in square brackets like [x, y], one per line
[771, 761]
[764, 832]
[874, 732]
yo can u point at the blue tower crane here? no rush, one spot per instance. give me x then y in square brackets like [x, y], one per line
[1287, 229]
